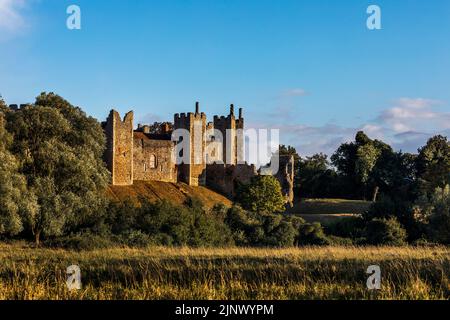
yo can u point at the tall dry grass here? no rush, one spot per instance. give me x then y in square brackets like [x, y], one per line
[226, 273]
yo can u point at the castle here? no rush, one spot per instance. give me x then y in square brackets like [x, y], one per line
[212, 152]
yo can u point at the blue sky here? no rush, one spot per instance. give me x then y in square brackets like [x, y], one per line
[310, 68]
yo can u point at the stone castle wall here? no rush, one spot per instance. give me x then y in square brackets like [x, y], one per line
[194, 173]
[226, 178]
[285, 176]
[119, 151]
[153, 159]
[139, 155]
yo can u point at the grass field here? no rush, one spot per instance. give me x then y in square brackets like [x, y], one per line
[328, 210]
[229, 273]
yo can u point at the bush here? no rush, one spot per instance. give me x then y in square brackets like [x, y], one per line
[351, 227]
[385, 232]
[82, 241]
[340, 241]
[391, 207]
[136, 238]
[272, 230]
[311, 234]
[164, 223]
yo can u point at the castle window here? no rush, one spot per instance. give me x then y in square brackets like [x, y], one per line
[145, 167]
[153, 161]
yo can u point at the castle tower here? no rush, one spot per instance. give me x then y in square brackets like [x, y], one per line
[240, 138]
[119, 147]
[193, 173]
[232, 150]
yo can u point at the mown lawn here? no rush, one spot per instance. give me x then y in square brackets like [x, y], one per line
[228, 273]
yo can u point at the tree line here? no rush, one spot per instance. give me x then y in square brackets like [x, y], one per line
[412, 189]
[53, 181]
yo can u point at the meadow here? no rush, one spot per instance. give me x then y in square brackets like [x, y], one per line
[225, 273]
[327, 211]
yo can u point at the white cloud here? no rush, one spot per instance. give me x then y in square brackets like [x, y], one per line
[406, 125]
[11, 19]
[409, 114]
[296, 92]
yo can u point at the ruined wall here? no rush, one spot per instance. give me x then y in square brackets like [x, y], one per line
[153, 159]
[214, 146]
[119, 148]
[226, 178]
[227, 125]
[285, 176]
[193, 173]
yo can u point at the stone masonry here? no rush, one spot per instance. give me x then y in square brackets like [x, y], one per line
[136, 154]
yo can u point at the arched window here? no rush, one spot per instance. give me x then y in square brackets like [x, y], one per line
[153, 163]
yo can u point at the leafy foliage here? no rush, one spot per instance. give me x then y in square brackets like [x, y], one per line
[263, 195]
[276, 230]
[434, 212]
[164, 223]
[385, 232]
[15, 200]
[433, 164]
[60, 153]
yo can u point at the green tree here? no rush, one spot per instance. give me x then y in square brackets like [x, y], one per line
[434, 212]
[366, 159]
[316, 177]
[15, 200]
[364, 165]
[263, 195]
[60, 150]
[433, 164]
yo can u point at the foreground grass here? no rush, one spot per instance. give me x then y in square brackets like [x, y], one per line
[229, 273]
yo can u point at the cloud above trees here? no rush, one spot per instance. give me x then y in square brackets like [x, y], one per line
[406, 124]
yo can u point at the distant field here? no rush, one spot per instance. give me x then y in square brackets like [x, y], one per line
[328, 210]
[229, 273]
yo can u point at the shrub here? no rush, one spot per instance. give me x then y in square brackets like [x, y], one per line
[392, 207]
[351, 227]
[82, 241]
[311, 234]
[272, 230]
[340, 241]
[136, 238]
[385, 232]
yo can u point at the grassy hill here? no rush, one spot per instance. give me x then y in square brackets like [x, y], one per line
[174, 192]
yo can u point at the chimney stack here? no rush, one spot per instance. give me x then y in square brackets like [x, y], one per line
[240, 113]
[232, 109]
